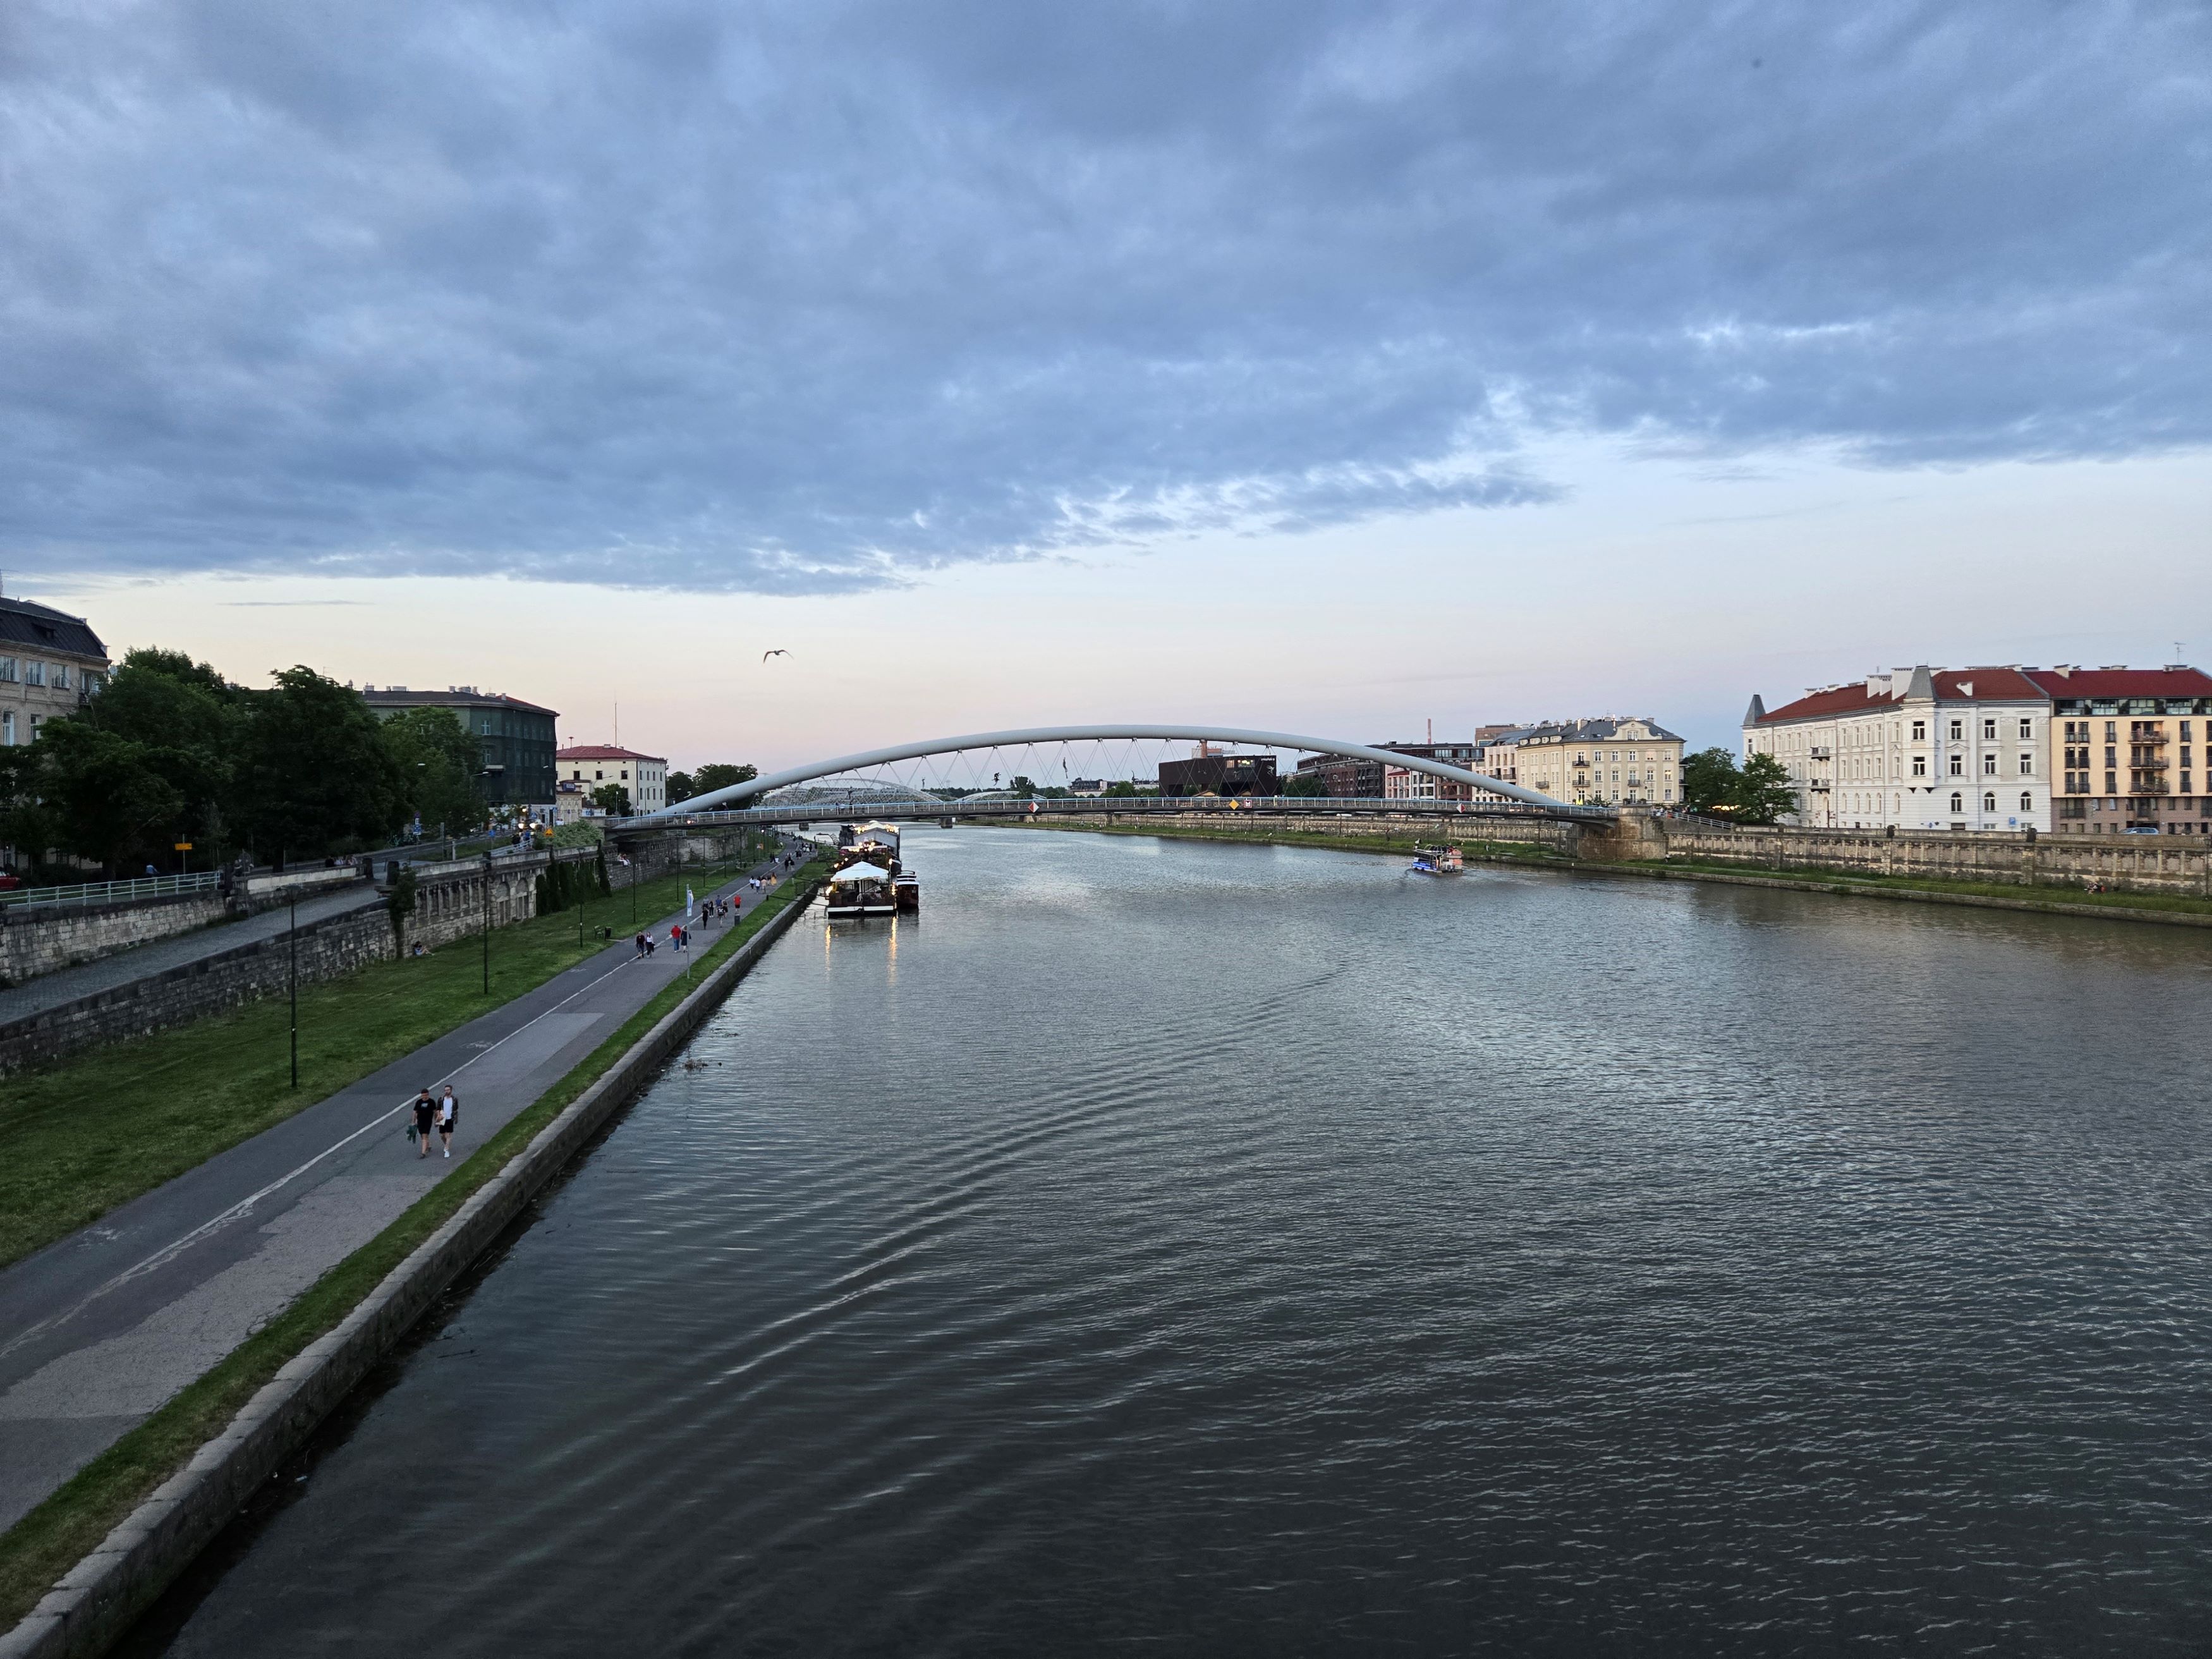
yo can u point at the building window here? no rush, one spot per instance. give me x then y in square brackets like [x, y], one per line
[1958, 764]
[7, 729]
[1958, 730]
[2026, 765]
[1990, 765]
[1920, 766]
[1958, 802]
[1920, 730]
[1989, 731]
[61, 677]
[9, 671]
[1989, 802]
[2026, 729]
[2026, 802]
[34, 673]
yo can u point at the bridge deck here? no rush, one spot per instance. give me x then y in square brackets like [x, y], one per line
[831, 809]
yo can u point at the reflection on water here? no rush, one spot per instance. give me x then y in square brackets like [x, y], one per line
[1214, 1248]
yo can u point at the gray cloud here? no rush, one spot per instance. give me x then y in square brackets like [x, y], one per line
[811, 297]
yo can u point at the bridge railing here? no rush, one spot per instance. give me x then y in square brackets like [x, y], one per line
[861, 807]
[136, 890]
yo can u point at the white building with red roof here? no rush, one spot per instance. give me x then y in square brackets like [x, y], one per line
[591, 766]
[1916, 747]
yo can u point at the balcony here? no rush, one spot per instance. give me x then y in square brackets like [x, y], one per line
[2149, 734]
[2148, 762]
[1821, 753]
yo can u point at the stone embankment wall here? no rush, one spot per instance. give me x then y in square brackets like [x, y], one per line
[448, 907]
[656, 853]
[2126, 864]
[1436, 827]
[37, 939]
[34, 941]
[2141, 863]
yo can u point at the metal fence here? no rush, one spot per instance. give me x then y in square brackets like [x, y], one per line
[136, 890]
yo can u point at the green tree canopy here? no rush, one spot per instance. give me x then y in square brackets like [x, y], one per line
[721, 774]
[682, 786]
[439, 762]
[314, 774]
[611, 798]
[1708, 779]
[1763, 793]
[106, 801]
[186, 721]
[1304, 783]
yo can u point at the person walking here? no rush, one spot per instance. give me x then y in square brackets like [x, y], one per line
[426, 1114]
[449, 1118]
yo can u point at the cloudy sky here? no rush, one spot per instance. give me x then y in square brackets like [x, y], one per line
[1349, 364]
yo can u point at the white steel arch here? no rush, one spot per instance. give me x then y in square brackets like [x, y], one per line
[737, 792]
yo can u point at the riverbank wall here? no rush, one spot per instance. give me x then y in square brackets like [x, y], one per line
[2047, 868]
[450, 904]
[92, 1607]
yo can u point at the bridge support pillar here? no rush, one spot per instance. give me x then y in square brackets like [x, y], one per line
[1631, 838]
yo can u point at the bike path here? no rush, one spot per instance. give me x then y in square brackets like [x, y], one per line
[100, 1328]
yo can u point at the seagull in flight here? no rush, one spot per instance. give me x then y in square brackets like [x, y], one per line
[765, 655]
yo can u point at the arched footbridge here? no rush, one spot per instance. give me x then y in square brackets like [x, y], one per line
[741, 801]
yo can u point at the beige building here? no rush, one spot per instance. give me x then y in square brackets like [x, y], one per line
[592, 765]
[2127, 749]
[51, 663]
[1613, 761]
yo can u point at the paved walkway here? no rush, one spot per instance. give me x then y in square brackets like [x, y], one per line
[100, 1328]
[143, 960]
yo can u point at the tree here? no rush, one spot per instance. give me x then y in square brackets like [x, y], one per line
[314, 774]
[104, 797]
[1710, 780]
[186, 721]
[1304, 783]
[1763, 792]
[721, 774]
[1021, 786]
[438, 761]
[26, 821]
[682, 786]
[611, 799]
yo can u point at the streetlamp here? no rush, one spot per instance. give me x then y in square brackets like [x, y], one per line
[487, 923]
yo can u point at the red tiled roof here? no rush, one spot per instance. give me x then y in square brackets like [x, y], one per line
[2126, 683]
[1991, 685]
[600, 751]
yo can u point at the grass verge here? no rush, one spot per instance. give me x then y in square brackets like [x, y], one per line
[88, 1132]
[40, 1549]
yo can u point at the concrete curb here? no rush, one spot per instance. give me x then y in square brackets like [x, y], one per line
[87, 1611]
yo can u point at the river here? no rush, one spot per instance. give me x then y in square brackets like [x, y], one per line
[1197, 1248]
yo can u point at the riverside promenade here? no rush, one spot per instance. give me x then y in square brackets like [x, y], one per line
[100, 1328]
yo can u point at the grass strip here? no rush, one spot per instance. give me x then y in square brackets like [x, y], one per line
[40, 1549]
[96, 1129]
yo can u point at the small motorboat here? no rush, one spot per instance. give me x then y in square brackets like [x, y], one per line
[1437, 861]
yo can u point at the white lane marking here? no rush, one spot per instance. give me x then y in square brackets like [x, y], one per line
[245, 1207]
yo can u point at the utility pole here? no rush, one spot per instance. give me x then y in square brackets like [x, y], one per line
[296, 991]
[487, 923]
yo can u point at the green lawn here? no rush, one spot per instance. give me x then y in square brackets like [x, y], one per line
[41, 1547]
[97, 1129]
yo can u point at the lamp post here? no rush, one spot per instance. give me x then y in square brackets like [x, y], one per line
[295, 989]
[487, 923]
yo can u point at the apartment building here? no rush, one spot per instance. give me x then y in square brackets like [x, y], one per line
[2127, 749]
[518, 738]
[50, 663]
[1917, 748]
[1613, 762]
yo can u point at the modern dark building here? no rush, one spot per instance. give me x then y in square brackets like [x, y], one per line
[1220, 774]
[518, 737]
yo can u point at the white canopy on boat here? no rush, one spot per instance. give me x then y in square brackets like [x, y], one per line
[860, 873]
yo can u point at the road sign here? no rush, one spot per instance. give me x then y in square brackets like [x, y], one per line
[184, 847]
